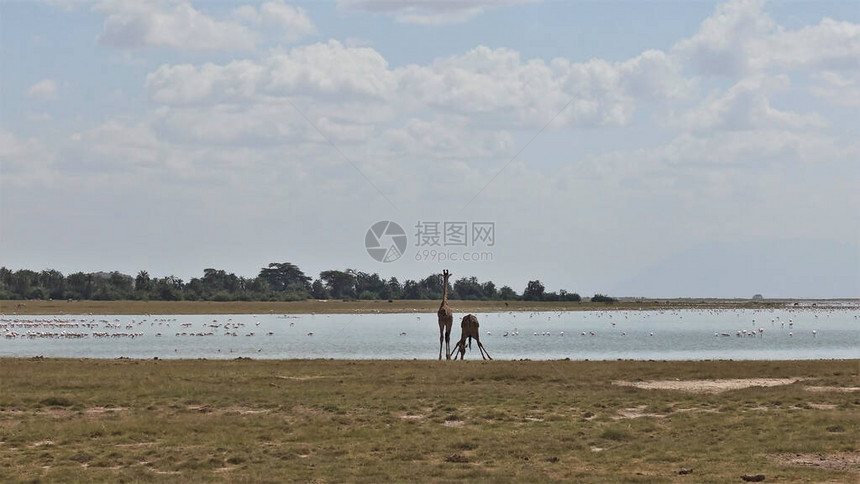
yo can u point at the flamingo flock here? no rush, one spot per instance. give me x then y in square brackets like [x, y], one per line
[80, 328]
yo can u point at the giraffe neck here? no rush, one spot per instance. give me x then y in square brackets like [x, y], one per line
[445, 291]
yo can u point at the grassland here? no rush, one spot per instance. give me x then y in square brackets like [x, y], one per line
[338, 306]
[382, 421]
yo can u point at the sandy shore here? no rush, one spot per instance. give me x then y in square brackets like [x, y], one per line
[338, 306]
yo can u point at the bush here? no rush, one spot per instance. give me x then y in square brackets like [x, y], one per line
[602, 298]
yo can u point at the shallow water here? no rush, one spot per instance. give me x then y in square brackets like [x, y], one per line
[638, 335]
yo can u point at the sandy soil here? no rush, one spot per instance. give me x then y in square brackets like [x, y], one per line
[708, 386]
[843, 461]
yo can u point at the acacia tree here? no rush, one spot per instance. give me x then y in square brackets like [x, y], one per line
[282, 276]
[339, 284]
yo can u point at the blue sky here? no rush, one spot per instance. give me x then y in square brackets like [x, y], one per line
[633, 148]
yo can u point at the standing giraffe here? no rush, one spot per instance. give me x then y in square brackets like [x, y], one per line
[446, 318]
[469, 325]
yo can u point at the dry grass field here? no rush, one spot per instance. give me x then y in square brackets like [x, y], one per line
[428, 421]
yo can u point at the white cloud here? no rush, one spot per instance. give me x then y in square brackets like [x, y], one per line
[44, 90]
[428, 12]
[495, 82]
[829, 45]
[746, 105]
[493, 86]
[739, 38]
[324, 69]
[170, 24]
[293, 21]
[721, 47]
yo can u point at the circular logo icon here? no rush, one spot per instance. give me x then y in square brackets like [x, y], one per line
[385, 241]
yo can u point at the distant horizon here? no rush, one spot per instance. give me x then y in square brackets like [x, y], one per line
[519, 293]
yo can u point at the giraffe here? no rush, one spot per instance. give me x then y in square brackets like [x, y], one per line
[446, 318]
[469, 325]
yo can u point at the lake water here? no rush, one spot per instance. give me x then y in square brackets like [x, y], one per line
[805, 333]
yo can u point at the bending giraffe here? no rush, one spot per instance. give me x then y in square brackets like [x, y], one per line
[469, 325]
[446, 318]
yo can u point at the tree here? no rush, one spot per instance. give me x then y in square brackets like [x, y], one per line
[368, 286]
[166, 289]
[432, 287]
[489, 290]
[213, 280]
[392, 289]
[413, 290]
[142, 283]
[193, 291]
[468, 288]
[79, 285]
[339, 284]
[54, 283]
[318, 290]
[507, 294]
[281, 276]
[121, 285]
[23, 282]
[258, 289]
[534, 291]
[296, 292]
[603, 298]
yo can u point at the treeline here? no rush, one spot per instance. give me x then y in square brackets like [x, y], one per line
[276, 282]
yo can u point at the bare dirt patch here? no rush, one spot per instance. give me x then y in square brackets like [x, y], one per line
[832, 389]
[822, 406]
[636, 412]
[842, 461]
[97, 410]
[137, 444]
[708, 386]
[246, 410]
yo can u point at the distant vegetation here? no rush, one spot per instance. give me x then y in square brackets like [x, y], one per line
[276, 282]
[603, 298]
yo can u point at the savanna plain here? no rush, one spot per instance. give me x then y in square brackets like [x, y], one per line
[434, 421]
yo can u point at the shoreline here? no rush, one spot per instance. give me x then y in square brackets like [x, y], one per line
[49, 307]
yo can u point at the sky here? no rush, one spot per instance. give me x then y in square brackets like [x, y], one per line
[656, 148]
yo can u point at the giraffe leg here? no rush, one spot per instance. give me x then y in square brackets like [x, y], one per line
[447, 345]
[441, 337]
[481, 347]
